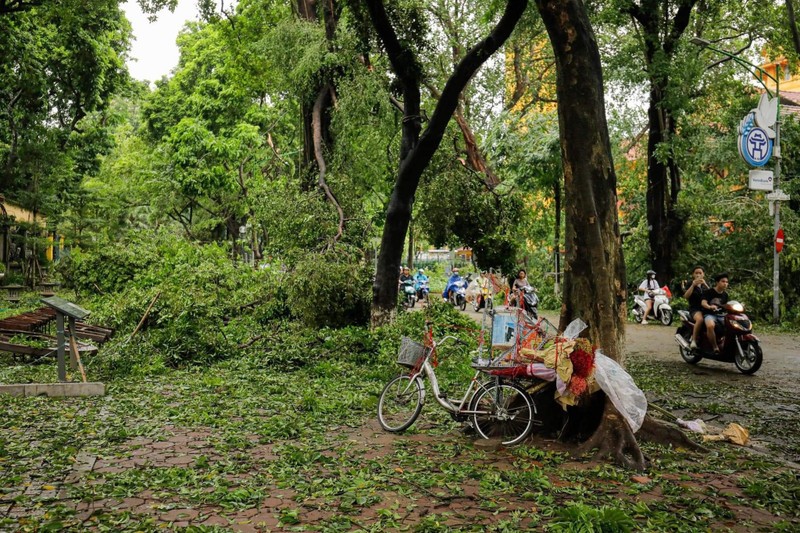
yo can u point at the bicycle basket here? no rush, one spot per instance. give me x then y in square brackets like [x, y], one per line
[411, 353]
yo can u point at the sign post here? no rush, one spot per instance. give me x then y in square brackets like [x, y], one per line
[757, 143]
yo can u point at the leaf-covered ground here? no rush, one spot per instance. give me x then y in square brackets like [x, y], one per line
[243, 445]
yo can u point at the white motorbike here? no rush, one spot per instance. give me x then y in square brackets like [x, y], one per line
[661, 308]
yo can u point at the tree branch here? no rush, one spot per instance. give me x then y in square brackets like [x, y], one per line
[793, 26]
[316, 123]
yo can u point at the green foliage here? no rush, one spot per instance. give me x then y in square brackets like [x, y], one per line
[456, 208]
[59, 63]
[580, 518]
[204, 304]
[330, 288]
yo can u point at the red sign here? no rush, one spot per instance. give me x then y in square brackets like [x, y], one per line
[779, 240]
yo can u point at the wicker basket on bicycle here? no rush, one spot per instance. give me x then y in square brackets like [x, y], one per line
[411, 353]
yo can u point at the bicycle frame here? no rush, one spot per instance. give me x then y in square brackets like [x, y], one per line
[427, 370]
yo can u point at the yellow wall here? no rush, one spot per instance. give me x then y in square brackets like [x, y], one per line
[780, 69]
[22, 214]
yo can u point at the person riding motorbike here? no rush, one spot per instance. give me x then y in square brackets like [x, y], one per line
[694, 295]
[454, 277]
[420, 282]
[648, 285]
[519, 284]
[405, 274]
[713, 300]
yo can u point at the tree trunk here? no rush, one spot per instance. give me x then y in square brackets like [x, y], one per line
[661, 35]
[557, 238]
[417, 150]
[663, 185]
[594, 274]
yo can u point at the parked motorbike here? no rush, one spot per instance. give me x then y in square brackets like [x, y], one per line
[735, 340]
[408, 292]
[423, 289]
[661, 310]
[458, 294]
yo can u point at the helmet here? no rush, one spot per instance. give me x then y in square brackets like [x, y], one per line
[651, 273]
[455, 269]
[421, 271]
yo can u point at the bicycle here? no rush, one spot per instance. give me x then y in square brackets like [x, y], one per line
[498, 407]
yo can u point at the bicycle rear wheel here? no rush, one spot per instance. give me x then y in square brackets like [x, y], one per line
[503, 410]
[400, 403]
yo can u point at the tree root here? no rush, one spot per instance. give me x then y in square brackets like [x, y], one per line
[614, 440]
[659, 432]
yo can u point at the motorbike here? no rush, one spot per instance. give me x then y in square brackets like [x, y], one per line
[735, 340]
[423, 289]
[458, 294]
[661, 310]
[408, 292]
[483, 299]
[530, 301]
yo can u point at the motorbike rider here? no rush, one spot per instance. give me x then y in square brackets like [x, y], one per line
[520, 282]
[713, 300]
[648, 285]
[454, 277]
[694, 295]
[405, 275]
[419, 279]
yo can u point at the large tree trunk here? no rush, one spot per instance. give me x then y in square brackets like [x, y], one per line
[663, 185]
[594, 274]
[416, 150]
[661, 34]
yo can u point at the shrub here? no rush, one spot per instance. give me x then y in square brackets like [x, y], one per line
[330, 289]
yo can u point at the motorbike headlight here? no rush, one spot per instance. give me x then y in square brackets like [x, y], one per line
[741, 324]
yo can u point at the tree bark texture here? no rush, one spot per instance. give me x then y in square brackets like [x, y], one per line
[417, 147]
[660, 34]
[793, 25]
[594, 271]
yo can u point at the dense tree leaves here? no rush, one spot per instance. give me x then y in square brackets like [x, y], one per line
[59, 64]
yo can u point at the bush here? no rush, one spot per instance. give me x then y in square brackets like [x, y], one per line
[330, 289]
[207, 305]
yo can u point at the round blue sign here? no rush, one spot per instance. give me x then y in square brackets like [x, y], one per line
[756, 146]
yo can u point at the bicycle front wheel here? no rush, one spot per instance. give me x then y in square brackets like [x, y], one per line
[400, 403]
[503, 410]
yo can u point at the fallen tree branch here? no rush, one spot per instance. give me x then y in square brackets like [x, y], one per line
[144, 316]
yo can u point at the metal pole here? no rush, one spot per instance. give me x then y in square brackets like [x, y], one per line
[62, 369]
[776, 154]
[776, 288]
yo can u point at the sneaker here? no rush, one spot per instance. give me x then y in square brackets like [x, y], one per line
[693, 345]
[644, 322]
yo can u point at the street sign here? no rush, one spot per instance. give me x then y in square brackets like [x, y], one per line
[756, 136]
[761, 180]
[778, 196]
[779, 240]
